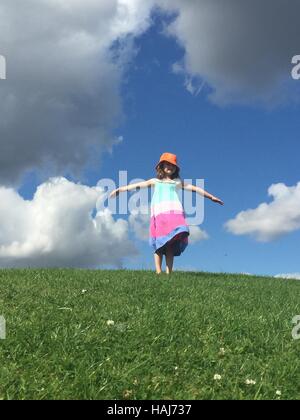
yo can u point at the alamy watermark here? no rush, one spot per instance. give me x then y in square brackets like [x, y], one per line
[2, 67]
[296, 68]
[2, 328]
[296, 329]
[137, 201]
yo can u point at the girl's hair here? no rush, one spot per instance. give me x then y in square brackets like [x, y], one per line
[161, 175]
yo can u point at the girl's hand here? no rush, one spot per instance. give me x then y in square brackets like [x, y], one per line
[114, 193]
[217, 200]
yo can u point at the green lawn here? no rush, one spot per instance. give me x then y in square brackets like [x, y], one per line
[171, 335]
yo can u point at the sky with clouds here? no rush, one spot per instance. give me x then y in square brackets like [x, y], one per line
[96, 87]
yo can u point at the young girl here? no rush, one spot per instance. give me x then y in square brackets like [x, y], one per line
[168, 228]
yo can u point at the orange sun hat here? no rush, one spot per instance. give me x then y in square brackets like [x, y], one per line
[168, 157]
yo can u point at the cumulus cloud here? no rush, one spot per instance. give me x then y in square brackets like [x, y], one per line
[293, 276]
[197, 234]
[58, 228]
[66, 224]
[139, 220]
[270, 221]
[61, 99]
[241, 49]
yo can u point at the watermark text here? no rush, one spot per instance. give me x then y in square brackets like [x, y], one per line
[2, 67]
[296, 329]
[2, 328]
[137, 200]
[296, 68]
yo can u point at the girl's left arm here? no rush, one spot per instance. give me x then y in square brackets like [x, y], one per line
[190, 187]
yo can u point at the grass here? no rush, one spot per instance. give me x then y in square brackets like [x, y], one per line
[166, 339]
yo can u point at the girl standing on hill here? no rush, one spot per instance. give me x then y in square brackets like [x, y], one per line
[168, 228]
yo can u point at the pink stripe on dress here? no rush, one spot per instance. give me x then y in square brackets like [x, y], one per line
[165, 223]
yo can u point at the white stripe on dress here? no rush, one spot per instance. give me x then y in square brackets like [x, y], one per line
[166, 206]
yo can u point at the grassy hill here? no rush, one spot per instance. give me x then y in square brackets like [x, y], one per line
[169, 337]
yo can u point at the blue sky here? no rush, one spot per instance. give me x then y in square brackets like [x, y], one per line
[240, 150]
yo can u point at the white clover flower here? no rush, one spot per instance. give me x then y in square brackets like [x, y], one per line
[217, 377]
[278, 393]
[222, 351]
[84, 291]
[250, 382]
[110, 322]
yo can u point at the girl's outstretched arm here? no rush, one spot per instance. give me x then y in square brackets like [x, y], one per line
[143, 184]
[190, 187]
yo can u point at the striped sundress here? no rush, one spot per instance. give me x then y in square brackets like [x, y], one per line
[167, 222]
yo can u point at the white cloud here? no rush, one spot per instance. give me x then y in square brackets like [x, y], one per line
[270, 221]
[295, 276]
[61, 101]
[139, 221]
[197, 234]
[61, 98]
[57, 228]
[241, 49]
[66, 224]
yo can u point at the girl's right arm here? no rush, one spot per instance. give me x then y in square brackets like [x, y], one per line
[143, 184]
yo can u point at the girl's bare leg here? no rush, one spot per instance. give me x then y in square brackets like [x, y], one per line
[158, 262]
[169, 259]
